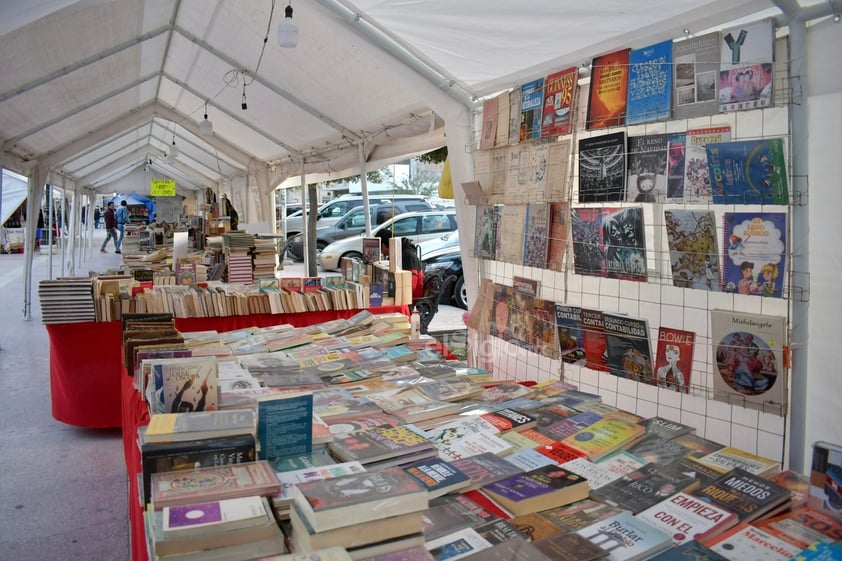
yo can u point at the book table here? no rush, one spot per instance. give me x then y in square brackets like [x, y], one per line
[86, 357]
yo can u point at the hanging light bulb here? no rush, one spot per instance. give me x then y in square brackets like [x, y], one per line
[288, 29]
[173, 154]
[206, 127]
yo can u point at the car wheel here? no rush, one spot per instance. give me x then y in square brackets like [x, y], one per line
[320, 246]
[352, 255]
[460, 293]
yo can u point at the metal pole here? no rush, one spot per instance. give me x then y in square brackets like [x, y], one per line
[364, 189]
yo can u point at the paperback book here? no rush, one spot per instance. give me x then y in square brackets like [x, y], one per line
[626, 538]
[627, 346]
[531, 109]
[175, 488]
[608, 90]
[650, 83]
[540, 489]
[745, 541]
[596, 345]
[745, 73]
[559, 96]
[688, 518]
[694, 251]
[558, 235]
[748, 496]
[696, 76]
[644, 487]
[571, 334]
[674, 359]
[602, 168]
[284, 425]
[537, 233]
[697, 188]
[487, 231]
[605, 436]
[748, 172]
[647, 168]
[675, 167]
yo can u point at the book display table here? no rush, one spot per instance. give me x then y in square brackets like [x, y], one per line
[86, 358]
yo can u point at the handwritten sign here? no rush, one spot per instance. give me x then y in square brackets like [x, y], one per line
[162, 187]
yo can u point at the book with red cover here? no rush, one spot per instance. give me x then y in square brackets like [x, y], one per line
[559, 97]
[608, 91]
[596, 345]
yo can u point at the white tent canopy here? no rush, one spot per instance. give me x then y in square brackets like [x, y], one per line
[14, 193]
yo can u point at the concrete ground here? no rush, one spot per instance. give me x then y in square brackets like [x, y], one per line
[63, 489]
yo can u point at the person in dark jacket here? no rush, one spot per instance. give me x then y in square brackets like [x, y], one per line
[110, 229]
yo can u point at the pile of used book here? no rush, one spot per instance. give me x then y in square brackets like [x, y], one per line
[348, 440]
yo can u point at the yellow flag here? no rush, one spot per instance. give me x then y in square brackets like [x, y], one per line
[446, 183]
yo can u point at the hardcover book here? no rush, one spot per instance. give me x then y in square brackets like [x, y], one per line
[694, 251]
[626, 538]
[749, 358]
[540, 489]
[608, 90]
[650, 83]
[696, 76]
[571, 334]
[748, 172]
[627, 346]
[747, 542]
[674, 359]
[688, 518]
[754, 260]
[559, 97]
[748, 496]
[745, 74]
[696, 175]
[644, 487]
[647, 168]
[175, 488]
[602, 168]
[340, 501]
[531, 109]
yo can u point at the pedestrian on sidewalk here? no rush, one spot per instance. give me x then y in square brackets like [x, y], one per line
[110, 228]
[122, 216]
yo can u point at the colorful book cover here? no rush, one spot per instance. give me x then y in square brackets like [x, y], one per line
[626, 537]
[748, 352]
[628, 349]
[647, 168]
[188, 486]
[675, 167]
[378, 443]
[284, 425]
[604, 437]
[748, 496]
[826, 479]
[558, 236]
[623, 243]
[602, 168]
[485, 468]
[696, 76]
[537, 233]
[688, 518]
[487, 223]
[437, 476]
[559, 95]
[520, 319]
[543, 331]
[748, 171]
[571, 335]
[531, 109]
[571, 425]
[621, 462]
[289, 479]
[608, 93]
[726, 459]
[187, 385]
[650, 83]
[694, 251]
[697, 188]
[746, 77]
[579, 515]
[501, 310]
[802, 527]
[371, 250]
[596, 345]
[674, 359]
[525, 285]
[489, 124]
[456, 545]
[519, 493]
[644, 487]
[797, 483]
[754, 241]
[561, 452]
[745, 541]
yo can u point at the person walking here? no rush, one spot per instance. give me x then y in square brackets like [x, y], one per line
[110, 228]
[122, 216]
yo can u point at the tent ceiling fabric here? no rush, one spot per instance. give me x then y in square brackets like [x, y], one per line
[94, 89]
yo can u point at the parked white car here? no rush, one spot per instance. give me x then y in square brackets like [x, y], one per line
[418, 226]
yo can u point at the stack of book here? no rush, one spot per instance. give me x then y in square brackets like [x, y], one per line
[67, 300]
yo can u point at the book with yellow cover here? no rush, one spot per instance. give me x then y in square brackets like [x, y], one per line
[728, 458]
[605, 436]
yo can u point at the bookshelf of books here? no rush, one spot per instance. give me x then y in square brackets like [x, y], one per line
[636, 239]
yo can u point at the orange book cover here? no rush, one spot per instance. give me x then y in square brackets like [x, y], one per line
[609, 88]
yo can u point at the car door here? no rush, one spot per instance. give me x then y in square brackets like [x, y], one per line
[407, 226]
[434, 225]
[352, 225]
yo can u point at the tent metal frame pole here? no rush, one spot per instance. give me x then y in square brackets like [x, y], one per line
[364, 189]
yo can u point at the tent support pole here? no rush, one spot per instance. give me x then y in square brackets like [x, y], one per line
[364, 189]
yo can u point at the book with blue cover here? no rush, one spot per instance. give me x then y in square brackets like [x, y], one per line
[650, 83]
[754, 260]
[748, 172]
[532, 108]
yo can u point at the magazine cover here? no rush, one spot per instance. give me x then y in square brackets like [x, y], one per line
[748, 172]
[624, 247]
[674, 358]
[675, 169]
[520, 318]
[557, 244]
[694, 252]
[650, 83]
[559, 93]
[596, 353]
[745, 75]
[608, 91]
[501, 310]
[543, 329]
[531, 110]
[696, 175]
[755, 253]
[627, 343]
[696, 76]
[602, 168]
[647, 168]
[587, 242]
[513, 223]
[527, 172]
[485, 245]
[537, 230]
[571, 335]
[749, 358]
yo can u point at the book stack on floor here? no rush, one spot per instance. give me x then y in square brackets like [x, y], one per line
[413, 456]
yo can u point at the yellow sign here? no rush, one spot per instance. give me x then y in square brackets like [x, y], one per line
[163, 188]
